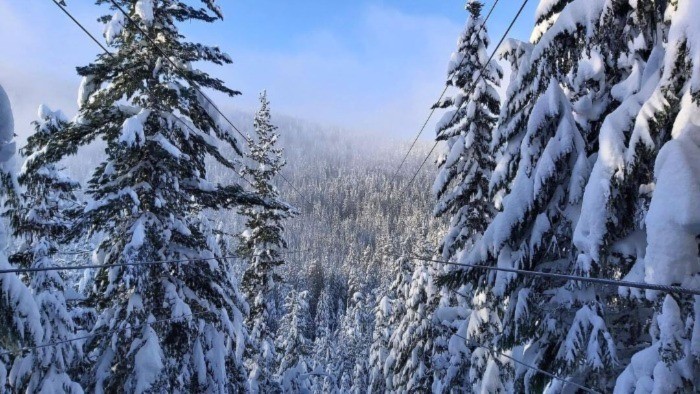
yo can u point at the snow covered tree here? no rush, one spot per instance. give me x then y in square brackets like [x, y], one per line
[261, 245]
[398, 294]
[293, 345]
[534, 229]
[18, 310]
[462, 189]
[40, 221]
[356, 331]
[324, 348]
[604, 82]
[147, 195]
[546, 138]
[411, 342]
[462, 185]
[379, 350]
[668, 107]
[625, 230]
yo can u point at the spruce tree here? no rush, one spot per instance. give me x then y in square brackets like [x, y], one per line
[356, 334]
[463, 180]
[323, 347]
[18, 310]
[293, 345]
[444, 304]
[261, 245]
[147, 195]
[379, 350]
[545, 140]
[611, 75]
[398, 291]
[618, 231]
[462, 189]
[666, 134]
[41, 220]
[411, 341]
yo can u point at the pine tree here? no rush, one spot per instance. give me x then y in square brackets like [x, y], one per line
[535, 230]
[620, 233]
[356, 334]
[148, 195]
[41, 220]
[462, 188]
[462, 183]
[398, 292]
[293, 345]
[618, 95]
[546, 137]
[411, 341]
[666, 129]
[379, 350]
[324, 349]
[261, 245]
[18, 310]
[446, 308]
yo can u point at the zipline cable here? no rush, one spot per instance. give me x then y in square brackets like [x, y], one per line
[303, 197]
[116, 330]
[95, 40]
[141, 263]
[473, 86]
[432, 110]
[599, 281]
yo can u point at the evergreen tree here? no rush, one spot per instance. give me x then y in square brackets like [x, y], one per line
[462, 183]
[261, 245]
[599, 75]
[411, 341]
[544, 143]
[40, 220]
[535, 230]
[18, 310]
[666, 130]
[293, 346]
[622, 231]
[379, 350]
[356, 334]
[451, 356]
[399, 292]
[148, 193]
[462, 188]
[324, 344]
[443, 304]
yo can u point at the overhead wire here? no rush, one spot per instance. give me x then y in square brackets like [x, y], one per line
[95, 40]
[599, 281]
[134, 264]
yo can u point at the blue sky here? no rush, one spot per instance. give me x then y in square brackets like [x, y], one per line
[367, 65]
